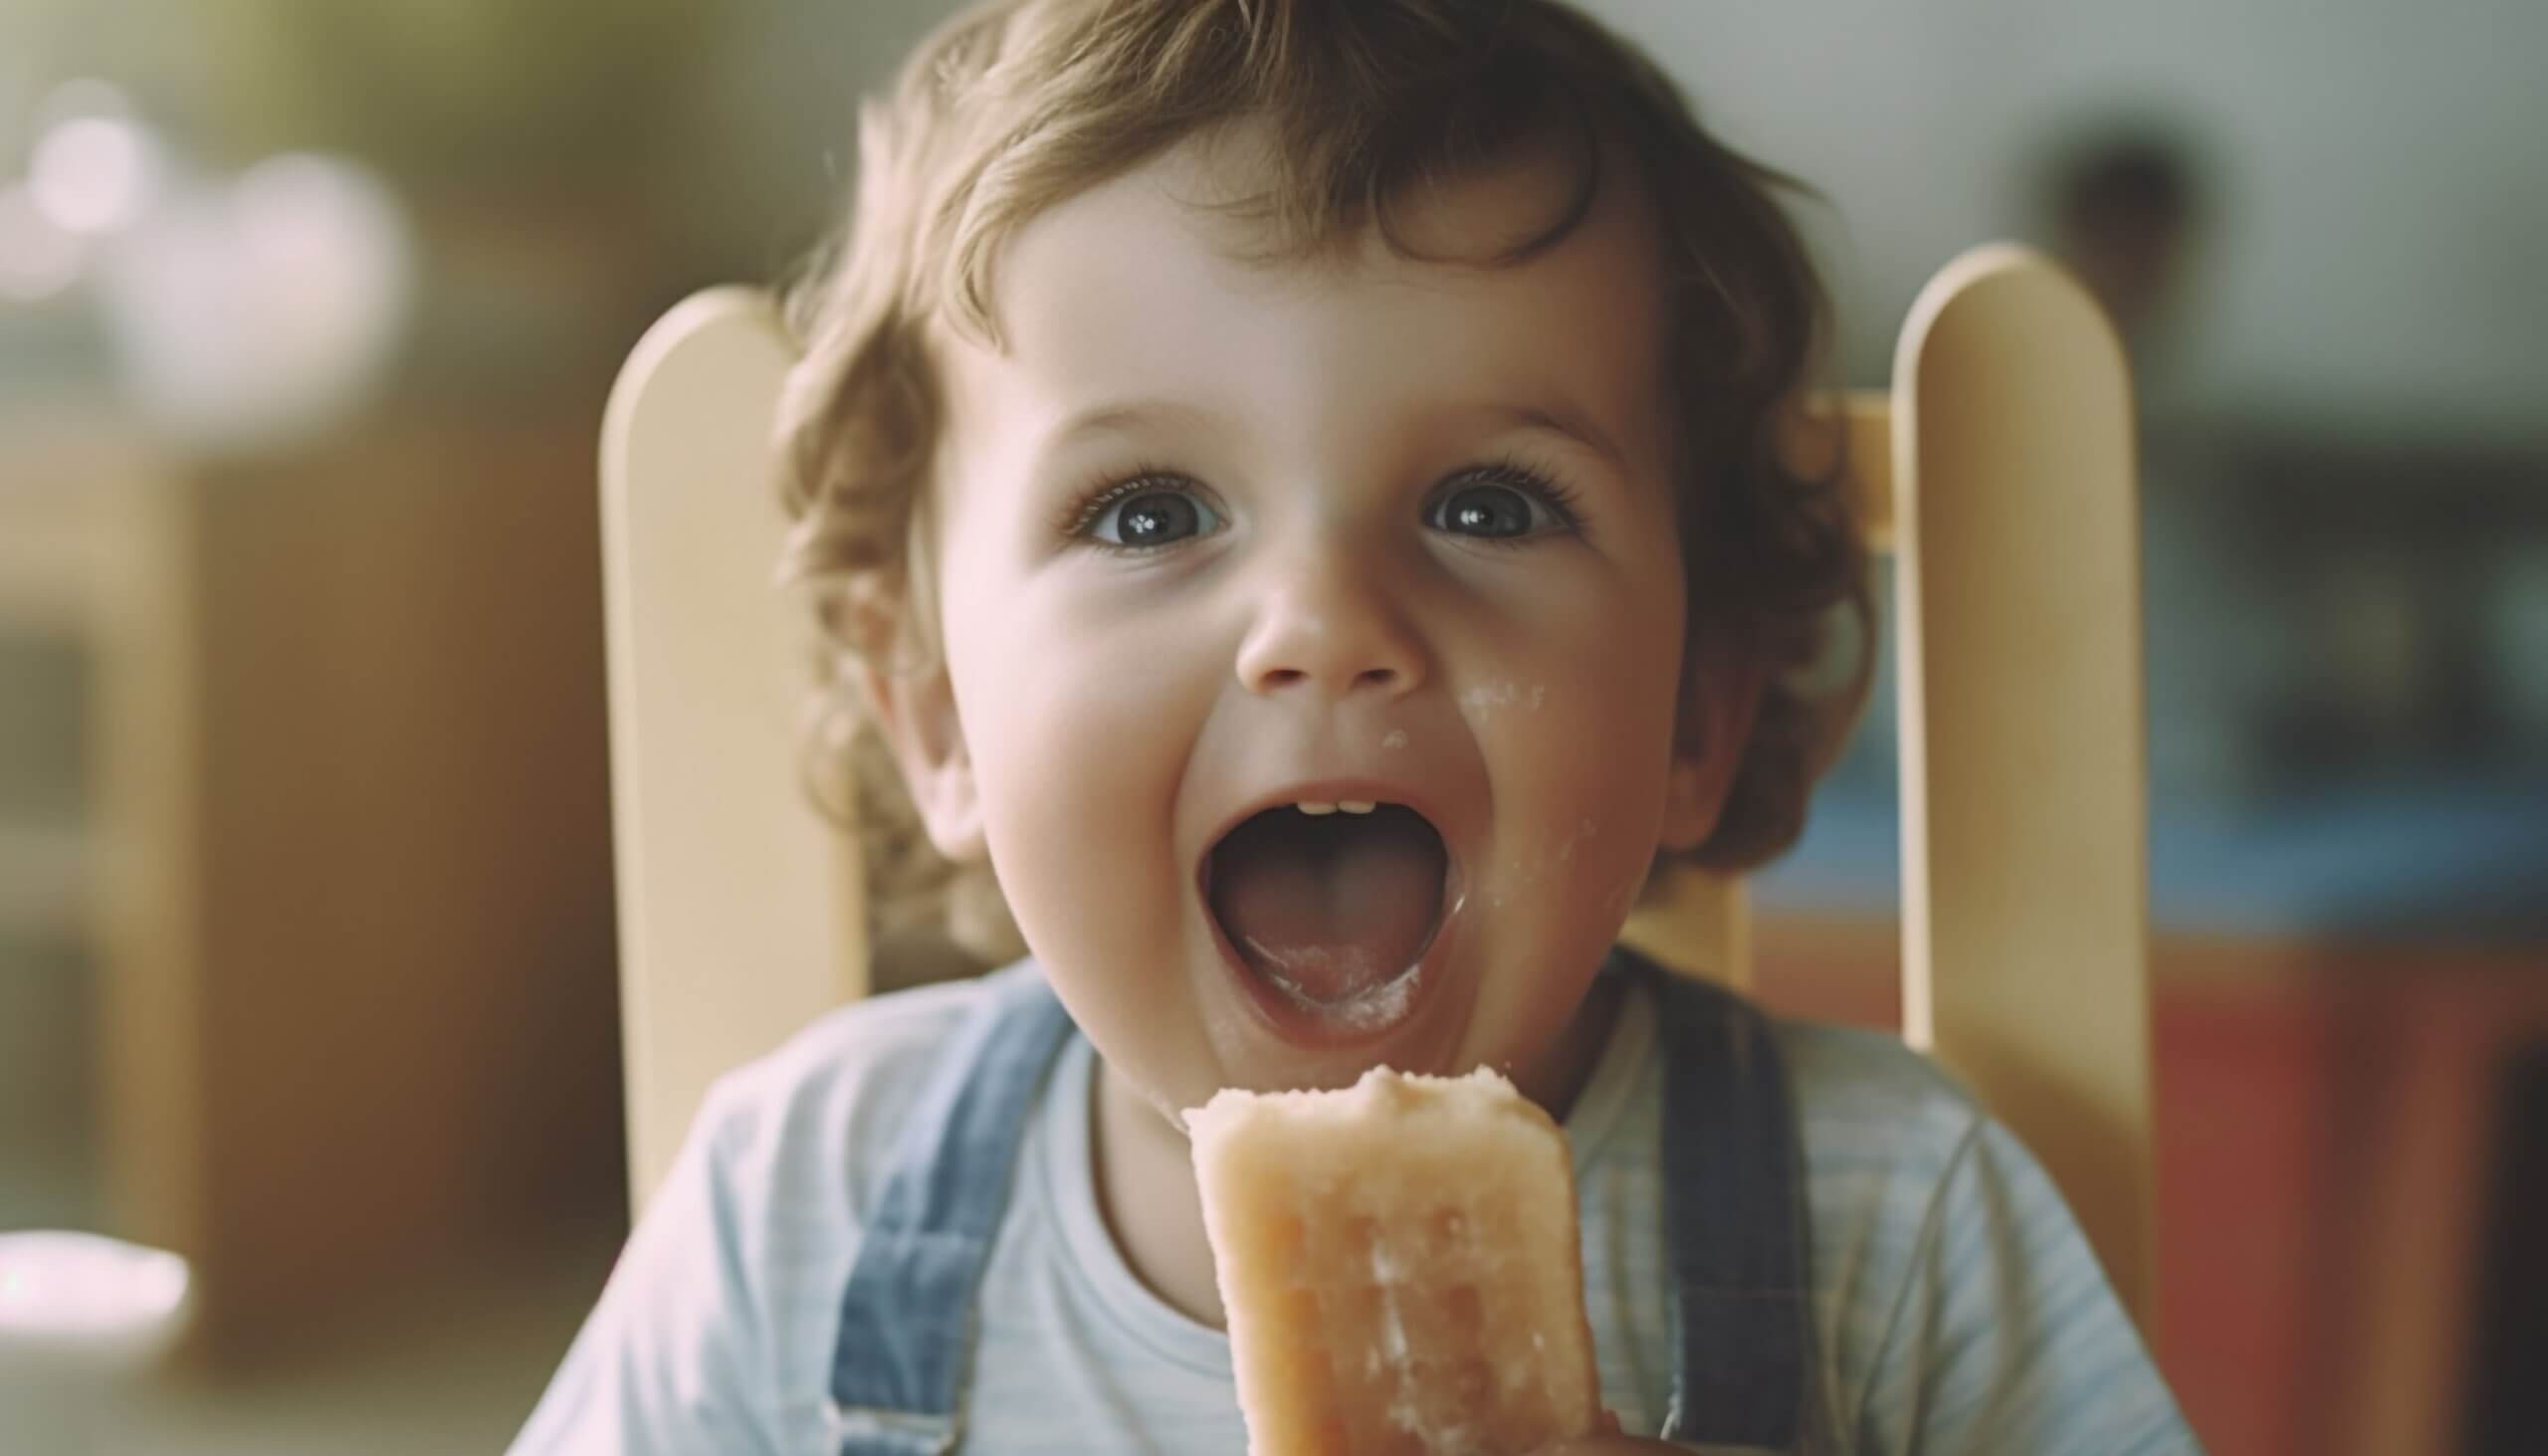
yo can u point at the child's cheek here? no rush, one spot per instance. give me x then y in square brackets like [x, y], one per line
[1579, 758]
[1078, 737]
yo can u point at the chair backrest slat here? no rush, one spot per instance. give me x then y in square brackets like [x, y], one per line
[2024, 817]
[740, 910]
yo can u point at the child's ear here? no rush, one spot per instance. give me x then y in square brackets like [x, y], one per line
[1721, 681]
[917, 712]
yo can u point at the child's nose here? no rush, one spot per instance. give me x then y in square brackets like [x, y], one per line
[1332, 629]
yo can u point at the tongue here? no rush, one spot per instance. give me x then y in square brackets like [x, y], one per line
[1332, 906]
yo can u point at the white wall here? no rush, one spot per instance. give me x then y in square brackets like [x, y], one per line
[2381, 255]
[2381, 250]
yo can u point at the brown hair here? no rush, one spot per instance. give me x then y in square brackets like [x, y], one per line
[1022, 104]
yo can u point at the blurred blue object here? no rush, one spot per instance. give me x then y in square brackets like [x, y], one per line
[2443, 862]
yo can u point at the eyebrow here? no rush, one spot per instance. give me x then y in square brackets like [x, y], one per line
[1573, 424]
[1105, 419]
[1114, 418]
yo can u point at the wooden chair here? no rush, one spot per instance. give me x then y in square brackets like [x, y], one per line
[1997, 468]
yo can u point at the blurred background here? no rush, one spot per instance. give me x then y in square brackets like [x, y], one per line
[307, 311]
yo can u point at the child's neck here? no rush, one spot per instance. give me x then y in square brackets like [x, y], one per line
[1144, 1170]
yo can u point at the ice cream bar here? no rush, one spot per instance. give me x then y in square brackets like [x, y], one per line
[1400, 1268]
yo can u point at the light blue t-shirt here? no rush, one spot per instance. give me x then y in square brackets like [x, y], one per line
[1958, 1307]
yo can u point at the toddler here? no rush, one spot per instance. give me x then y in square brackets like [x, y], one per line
[1293, 485]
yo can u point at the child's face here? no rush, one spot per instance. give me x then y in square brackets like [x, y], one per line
[1398, 533]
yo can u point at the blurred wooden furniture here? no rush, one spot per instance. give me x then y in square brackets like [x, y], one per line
[1999, 468]
[337, 873]
[99, 854]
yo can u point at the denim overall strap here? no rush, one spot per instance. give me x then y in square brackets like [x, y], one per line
[905, 1341]
[1735, 1214]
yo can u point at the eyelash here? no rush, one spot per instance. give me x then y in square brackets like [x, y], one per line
[1088, 506]
[1516, 474]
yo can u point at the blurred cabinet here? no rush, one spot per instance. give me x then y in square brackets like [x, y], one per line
[74, 554]
[305, 883]
[47, 1108]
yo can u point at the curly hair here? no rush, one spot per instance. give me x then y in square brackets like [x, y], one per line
[1019, 105]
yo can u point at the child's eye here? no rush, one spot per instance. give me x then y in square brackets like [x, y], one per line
[1503, 503]
[1145, 514]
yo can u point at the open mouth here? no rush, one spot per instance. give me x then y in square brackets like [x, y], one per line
[1331, 905]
